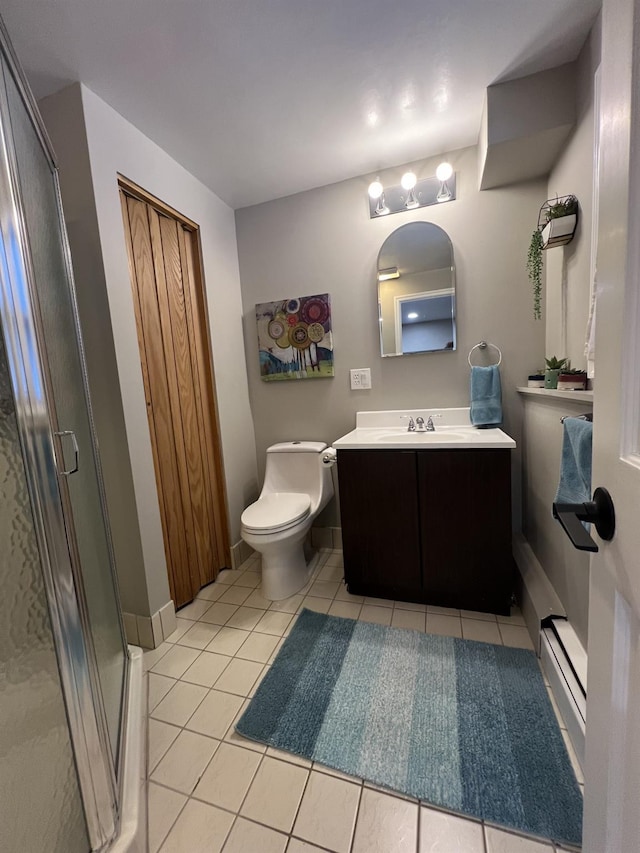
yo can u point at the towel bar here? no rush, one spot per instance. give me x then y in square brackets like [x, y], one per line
[588, 416]
[484, 345]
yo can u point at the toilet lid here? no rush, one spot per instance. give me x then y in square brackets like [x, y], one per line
[276, 511]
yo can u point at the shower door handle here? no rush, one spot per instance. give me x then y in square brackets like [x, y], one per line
[76, 451]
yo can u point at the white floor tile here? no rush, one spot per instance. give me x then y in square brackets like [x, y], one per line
[478, 614]
[249, 579]
[215, 714]
[239, 676]
[331, 573]
[378, 602]
[206, 669]
[484, 632]
[346, 609]
[319, 605]
[328, 812]
[322, 768]
[411, 619]
[504, 842]
[161, 736]
[324, 589]
[164, 807]
[289, 756]
[298, 846]
[212, 591]
[199, 636]
[256, 599]
[246, 618]
[235, 595]
[443, 611]
[334, 559]
[159, 686]
[515, 617]
[227, 778]
[343, 594]
[201, 828]
[150, 657]
[411, 605]
[262, 803]
[515, 635]
[176, 661]
[219, 614]
[185, 761]
[182, 626]
[447, 626]
[446, 833]
[179, 703]
[248, 837]
[274, 623]
[288, 605]
[385, 823]
[258, 647]
[194, 610]
[257, 682]
[380, 615]
[227, 641]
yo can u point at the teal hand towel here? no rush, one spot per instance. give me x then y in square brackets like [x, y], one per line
[486, 396]
[575, 465]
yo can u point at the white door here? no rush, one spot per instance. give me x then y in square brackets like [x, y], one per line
[612, 791]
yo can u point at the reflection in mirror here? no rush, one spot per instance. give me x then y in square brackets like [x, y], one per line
[416, 291]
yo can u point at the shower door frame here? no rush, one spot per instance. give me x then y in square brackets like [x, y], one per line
[100, 788]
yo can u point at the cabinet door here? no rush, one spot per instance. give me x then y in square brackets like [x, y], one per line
[380, 525]
[465, 522]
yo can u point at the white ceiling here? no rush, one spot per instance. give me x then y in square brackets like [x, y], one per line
[264, 98]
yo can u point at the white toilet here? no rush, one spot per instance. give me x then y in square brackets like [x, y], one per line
[297, 486]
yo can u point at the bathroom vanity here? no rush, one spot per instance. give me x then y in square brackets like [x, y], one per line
[426, 516]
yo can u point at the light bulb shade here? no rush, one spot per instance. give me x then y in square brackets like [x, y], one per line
[408, 180]
[444, 171]
[444, 194]
[375, 189]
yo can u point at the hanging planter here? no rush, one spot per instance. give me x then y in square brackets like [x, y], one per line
[557, 221]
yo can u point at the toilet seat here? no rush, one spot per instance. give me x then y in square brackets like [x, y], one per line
[275, 512]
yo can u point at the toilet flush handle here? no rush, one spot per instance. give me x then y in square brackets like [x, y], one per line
[329, 457]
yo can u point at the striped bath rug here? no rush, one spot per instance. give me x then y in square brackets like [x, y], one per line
[463, 725]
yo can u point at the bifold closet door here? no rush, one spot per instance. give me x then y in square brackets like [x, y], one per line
[179, 395]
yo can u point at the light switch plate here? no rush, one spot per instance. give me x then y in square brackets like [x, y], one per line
[360, 379]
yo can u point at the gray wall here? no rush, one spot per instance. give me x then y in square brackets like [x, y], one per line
[323, 240]
[568, 280]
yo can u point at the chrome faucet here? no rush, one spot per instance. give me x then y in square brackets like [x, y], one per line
[420, 424]
[430, 426]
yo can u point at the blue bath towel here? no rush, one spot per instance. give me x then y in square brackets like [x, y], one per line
[575, 466]
[486, 396]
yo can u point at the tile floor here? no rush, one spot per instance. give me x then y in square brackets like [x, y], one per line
[211, 790]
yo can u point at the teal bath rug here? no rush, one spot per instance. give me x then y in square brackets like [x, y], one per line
[463, 725]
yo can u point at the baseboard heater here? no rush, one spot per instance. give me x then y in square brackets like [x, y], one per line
[565, 663]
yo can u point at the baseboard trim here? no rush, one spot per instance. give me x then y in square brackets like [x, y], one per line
[150, 631]
[538, 599]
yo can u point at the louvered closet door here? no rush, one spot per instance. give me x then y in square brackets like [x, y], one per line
[179, 390]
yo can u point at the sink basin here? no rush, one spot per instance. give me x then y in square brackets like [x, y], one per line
[422, 437]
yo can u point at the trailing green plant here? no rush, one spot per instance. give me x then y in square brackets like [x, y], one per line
[534, 271]
[554, 363]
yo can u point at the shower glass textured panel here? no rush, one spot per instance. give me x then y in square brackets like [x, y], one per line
[39, 197]
[39, 791]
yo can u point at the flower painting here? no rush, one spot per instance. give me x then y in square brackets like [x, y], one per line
[294, 338]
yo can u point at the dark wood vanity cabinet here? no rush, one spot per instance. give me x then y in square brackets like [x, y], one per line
[430, 526]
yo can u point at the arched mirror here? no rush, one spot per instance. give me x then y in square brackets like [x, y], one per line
[416, 291]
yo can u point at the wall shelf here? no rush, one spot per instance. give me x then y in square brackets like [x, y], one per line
[576, 396]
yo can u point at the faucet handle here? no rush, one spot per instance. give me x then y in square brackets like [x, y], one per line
[412, 424]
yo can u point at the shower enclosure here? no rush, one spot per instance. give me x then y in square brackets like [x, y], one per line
[66, 677]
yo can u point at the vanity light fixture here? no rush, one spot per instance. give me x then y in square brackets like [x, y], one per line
[376, 193]
[386, 275]
[412, 316]
[412, 193]
[443, 174]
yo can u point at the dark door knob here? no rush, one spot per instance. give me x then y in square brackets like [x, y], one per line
[598, 511]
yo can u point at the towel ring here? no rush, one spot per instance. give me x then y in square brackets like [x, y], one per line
[484, 345]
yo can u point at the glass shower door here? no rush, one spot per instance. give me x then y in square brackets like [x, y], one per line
[74, 597]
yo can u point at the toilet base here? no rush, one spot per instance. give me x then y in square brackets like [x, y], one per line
[287, 570]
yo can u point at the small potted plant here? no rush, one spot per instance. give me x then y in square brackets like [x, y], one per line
[572, 379]
[536, 380]
[551, 374]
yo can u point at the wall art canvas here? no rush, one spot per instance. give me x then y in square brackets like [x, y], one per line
[294, 338]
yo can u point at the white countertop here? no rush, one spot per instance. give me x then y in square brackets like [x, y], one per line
[453, 430]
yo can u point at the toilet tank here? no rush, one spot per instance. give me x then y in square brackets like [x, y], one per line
[297, 466]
